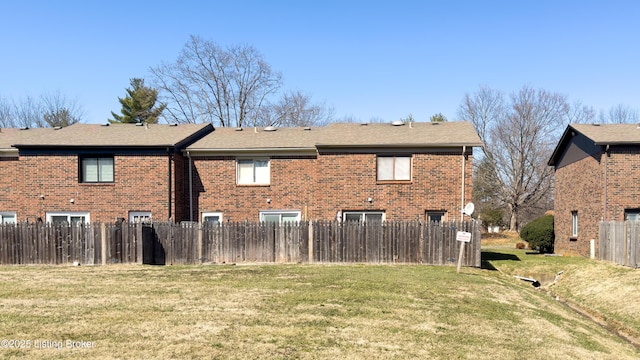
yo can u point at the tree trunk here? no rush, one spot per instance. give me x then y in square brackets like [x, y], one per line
[513, 224]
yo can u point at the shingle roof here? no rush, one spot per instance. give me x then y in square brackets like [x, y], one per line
[600, 134]
[446, 134]
[114, 135]
[610, 134]
[10, 136]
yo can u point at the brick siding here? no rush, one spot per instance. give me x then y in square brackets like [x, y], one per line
[580, 186]
[140, 185]
[319, 186]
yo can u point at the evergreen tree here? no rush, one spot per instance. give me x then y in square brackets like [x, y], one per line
[139, 106]
[438, 118]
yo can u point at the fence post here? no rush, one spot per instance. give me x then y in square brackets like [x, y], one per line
[139, 241]
[200, 243]
[103, 239]
[310, 242]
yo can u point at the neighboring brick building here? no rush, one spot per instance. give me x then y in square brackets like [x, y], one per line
[347, 171]
[100, 173]
[597, 169]
[11, 173]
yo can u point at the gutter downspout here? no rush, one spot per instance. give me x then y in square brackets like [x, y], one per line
[169, 182]
[606, 167]
[190, 187]
[464, 162]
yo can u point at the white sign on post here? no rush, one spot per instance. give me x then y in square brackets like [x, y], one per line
[463, 236]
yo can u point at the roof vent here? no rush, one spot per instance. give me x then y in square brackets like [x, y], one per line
[57, 128]
[238, 129]
[139, 124]
[24, 128]
[397, 123]
[173, 124]
[106, 124]
[364, 124]
[270, 128]
[306, 128]
[435, 123]
[595, 124]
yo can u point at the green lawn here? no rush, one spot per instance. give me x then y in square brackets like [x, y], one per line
[305, 311]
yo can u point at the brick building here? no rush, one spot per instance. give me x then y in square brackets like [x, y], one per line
[597, 169]
[11, 173]
[92, 172]
[395, 171]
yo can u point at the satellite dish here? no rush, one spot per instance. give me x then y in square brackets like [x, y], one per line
[468, 209]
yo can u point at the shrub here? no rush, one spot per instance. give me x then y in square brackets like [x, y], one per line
[539, 234]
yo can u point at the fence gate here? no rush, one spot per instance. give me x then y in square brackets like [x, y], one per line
[153, 252]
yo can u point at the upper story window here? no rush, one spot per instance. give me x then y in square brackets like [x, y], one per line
[252, 172]
[96, 169]
[394, 168]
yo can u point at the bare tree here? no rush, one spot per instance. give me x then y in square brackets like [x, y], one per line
[518, 138]
[57, 110]
[227, 87]
[50, 110]
[6, 114]
[620, 114]
[580, 114]
[28, 113]
[296, 109]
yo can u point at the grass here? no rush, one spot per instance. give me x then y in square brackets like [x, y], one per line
[295, 311]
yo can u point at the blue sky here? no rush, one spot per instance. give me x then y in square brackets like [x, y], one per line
[368, 59]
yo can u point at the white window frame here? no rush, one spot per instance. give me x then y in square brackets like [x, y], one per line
[83, 169]
[265, 213]
[574, 224]
[6, 215]
[69, 215]
[363, 214]
[431, 214]
[255, 180]
[140, 216]
[632, 214]
[395, 173]
[212, 214]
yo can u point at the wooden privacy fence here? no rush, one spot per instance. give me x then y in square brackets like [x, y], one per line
[619, 242]
[238, 242]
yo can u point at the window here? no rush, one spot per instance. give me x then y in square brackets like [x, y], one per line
[252, 172]
[140, 216]
[211, 217]
[280, 216]
[7, 217]
[435, 216]
[96, 169]
[394, 168]
[68, 218]
[574, 224]
[632, 214]
[363, 216]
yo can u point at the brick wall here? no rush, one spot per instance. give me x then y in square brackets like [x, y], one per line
[623, 177]
[320, 186]
[578, 187]
[140, 185]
